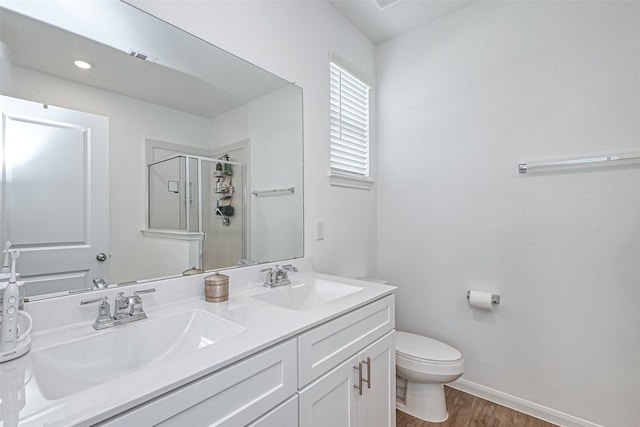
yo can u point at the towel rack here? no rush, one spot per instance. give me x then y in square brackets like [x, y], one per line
[273, 192]
[524, 167]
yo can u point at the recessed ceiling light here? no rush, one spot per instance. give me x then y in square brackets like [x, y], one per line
[83, 64]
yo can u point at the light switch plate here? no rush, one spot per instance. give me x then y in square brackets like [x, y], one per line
[319, 230]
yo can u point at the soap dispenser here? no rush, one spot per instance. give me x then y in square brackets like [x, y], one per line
[11, 344]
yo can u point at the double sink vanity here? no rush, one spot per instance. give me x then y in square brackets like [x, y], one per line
[318, 351]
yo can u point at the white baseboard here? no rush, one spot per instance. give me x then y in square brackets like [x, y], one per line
[520, 405]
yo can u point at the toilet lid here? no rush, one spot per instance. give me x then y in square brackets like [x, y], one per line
[418, 347]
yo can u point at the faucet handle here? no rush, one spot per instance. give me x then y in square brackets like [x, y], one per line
[284, 271]
[136, 303]
[269, 271]
[94, 300]
[144, 291]
[270, 279]
[99, 283]
[104, 310]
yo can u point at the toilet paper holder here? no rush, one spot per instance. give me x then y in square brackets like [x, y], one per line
[495, 298]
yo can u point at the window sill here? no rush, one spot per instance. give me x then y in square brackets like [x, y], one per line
[340, 180]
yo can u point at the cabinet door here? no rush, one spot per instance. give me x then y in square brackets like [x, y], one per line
[376, 406]
[331, 400]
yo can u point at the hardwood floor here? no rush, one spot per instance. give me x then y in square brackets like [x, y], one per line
[466, 410]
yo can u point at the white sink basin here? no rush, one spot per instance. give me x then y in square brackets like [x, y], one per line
[306, 295]
[76, 365]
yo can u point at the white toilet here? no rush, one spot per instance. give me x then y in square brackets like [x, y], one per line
[423, 367]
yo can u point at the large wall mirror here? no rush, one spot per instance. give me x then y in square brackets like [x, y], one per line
[168, 153]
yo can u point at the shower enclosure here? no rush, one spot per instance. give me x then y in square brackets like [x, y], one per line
[203, 199]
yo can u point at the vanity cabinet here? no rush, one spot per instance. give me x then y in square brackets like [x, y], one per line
[339, 373]
[233, 396]
[347, 369]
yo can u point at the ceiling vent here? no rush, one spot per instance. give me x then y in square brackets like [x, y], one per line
[144, 57]
[385, 3]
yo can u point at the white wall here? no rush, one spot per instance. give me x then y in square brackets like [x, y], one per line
[292, 40]
[462, 102]
[273, 136]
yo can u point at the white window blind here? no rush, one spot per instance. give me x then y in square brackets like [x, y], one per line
[349, 98]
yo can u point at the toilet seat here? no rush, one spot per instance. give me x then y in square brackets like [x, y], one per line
[421, 349]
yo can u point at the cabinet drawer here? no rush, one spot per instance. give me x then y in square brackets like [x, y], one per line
[327, 345]
[285, 415]
[232, 396]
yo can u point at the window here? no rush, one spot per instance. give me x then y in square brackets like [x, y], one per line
[349, 101]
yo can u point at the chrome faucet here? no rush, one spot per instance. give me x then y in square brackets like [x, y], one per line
[126, 309]
[278, 276]
[99, 283]
[120, 306]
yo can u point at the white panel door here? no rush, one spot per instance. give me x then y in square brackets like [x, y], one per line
[55, 201]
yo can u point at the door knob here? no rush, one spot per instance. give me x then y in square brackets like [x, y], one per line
[101, 257]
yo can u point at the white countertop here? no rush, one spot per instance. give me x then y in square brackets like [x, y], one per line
[63, 319]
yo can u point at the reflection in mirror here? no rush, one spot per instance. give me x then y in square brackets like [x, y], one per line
[167, 154]
[194, 197]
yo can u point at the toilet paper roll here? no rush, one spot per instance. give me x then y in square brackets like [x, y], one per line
[481, 300]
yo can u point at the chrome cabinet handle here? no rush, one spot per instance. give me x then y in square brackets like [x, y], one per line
[368, 380]
[359, 386]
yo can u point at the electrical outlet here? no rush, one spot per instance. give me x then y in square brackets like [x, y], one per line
[319, 230]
